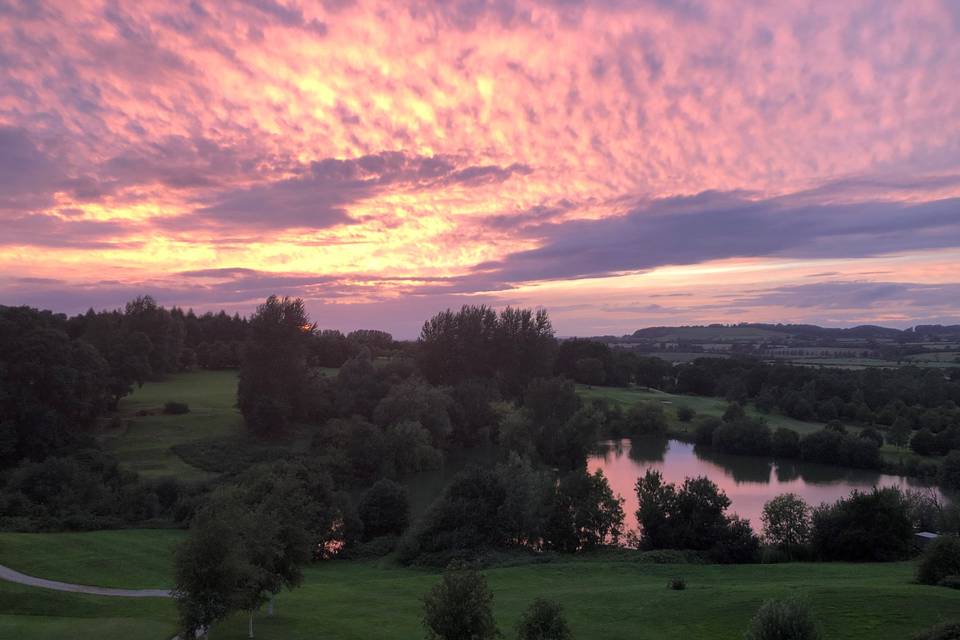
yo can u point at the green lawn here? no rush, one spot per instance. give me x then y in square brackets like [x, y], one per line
[605, 599]
[131, 559]
[704, 405]
[39, 614]
[145, 445]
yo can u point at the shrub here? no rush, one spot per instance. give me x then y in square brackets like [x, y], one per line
[940, 559]
[459, 607]
[746, 436]
[543, 620]
[865, 527]
[384, 510]
[783, 620]
[785, 443]
[872, 434]
[676, 584]
[704, 428]
[176, 408]
[737, 544]
[685, 414]
[945, 631]
[950, 471]
[646, 419]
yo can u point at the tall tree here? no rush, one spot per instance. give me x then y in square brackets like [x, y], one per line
[273, 374]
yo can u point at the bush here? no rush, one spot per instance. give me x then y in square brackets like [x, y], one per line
[460, 607]
[176, 408]
[872, 434]
[945, 631]
[951, 582]
[785, 443]
[950, 471]
[865, 527]
[685, 414]
[704, 428]
[646, 419]
[384, 510]
[783, 620]
[676, 584]
[939, 560]
[745, 436]
[543, 620]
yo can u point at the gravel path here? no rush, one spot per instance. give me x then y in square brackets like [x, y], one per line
[8, 574]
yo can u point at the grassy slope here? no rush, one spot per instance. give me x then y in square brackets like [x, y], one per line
[145, 445]
[370, 600]
[39, 614]
[702, 405]
[133, 559]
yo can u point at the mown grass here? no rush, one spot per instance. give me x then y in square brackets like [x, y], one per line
[146, 444]
[603, 598]
[39, 614]
[703, 405]
[130, 559]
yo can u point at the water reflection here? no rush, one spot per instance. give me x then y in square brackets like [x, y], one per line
[748, 481]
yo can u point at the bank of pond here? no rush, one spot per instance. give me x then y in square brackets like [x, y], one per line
[748, 481]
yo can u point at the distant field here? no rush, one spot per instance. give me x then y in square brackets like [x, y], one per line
[717, 334]
[710, 406]
[145, 445]
[683, 356]
[866, 363]
[608, 599]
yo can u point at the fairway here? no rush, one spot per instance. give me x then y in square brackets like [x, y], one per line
[703, 405]
[145, 445]
[131, 559]
[377, 600]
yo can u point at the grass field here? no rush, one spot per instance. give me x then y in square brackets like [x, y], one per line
[129, 559]
[702, 405]
[27, 613]
[145, 445]
[613, 600]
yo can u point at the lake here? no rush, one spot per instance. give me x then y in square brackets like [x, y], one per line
[748, 481]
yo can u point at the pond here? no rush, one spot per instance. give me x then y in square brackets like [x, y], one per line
[748, 481]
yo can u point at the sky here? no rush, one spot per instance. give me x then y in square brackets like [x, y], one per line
[621, 163]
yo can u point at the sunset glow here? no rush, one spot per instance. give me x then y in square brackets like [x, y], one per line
[621, 163]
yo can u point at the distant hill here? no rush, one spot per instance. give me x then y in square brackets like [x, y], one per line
[758, 332]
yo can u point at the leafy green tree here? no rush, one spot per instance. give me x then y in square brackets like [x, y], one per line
[864, 527]
[743, 435]
[212, 571]
[786, 522]
[646, 419]
[691, 517]
[417, 401]
[590, 371]
[384, 509]
[543, 620]
[567, 446]
[273, 374]
[900, 431]
[460, 607]
[950, 471]
[583, 514]
[785, 443]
